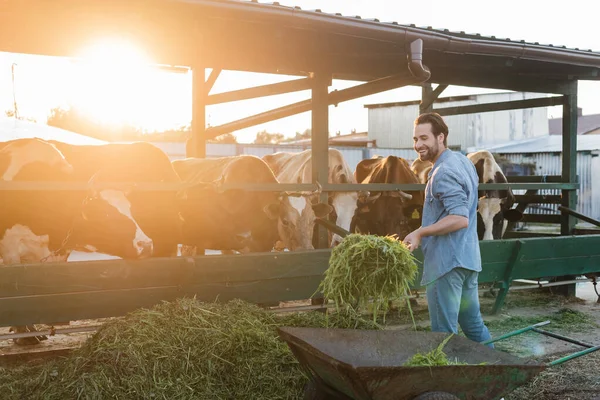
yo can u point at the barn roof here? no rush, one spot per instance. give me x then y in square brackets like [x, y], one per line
[261, 37]
[545, 144]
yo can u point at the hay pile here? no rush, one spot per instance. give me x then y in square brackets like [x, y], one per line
[180, 350]
[369, 267]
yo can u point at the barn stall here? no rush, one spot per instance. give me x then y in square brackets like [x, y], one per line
[317, 47]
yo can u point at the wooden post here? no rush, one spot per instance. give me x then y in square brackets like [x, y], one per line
[569, 160]
[569, 173]
[320, 142]
[426, 93]
[197, 143]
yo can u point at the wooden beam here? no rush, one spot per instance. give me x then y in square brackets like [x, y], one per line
[517, 83]
[538, 199]
[261, 91]
[542, 218]
[210, 82]
[430, 97]
[320, 142]
[501, 106]
[335, 97]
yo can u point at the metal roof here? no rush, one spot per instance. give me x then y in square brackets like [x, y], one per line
[545, 144]
[585, 124]
[272, 38]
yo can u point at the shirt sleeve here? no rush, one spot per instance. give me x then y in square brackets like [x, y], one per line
[450, 190]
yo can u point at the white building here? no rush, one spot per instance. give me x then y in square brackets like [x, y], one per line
[391, 124]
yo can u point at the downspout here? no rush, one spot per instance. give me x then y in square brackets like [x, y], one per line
[415, 61]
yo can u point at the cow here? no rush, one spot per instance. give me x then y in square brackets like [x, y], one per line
[244, 221]
[387, 213]
[421, 169]
[297, 168]
[494, 208]
[151, 217]
[46, 228]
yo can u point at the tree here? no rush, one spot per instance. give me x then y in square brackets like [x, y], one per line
[73, 120]
[264, 137]
[11, 114]
[228, 138]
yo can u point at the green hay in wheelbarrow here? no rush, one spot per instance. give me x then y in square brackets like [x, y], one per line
[367, 365]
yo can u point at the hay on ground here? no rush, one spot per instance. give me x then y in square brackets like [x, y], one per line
[180, 350]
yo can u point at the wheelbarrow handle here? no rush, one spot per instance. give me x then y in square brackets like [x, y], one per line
[590, 348]
[574, 355]
[517, 332]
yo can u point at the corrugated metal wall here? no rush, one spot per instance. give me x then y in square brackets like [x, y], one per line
[393, 126]
[551, 164]
[352, 155]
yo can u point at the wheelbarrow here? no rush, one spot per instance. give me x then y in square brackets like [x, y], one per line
[345, 364]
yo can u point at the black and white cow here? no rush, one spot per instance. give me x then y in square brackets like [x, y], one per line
[495, 206]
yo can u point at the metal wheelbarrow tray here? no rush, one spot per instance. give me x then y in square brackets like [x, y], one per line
[367, 365]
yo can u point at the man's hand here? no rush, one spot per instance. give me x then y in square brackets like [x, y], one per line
[413, 240]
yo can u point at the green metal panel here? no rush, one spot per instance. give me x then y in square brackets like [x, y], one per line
[67, 291]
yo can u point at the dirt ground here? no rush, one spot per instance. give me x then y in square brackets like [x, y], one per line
[578, 379]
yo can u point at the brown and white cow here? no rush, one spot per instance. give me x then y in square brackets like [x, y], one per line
[387, 213]
[149, 222]
[245, 221]
[297, 168]
[494, 209]
[421, 169]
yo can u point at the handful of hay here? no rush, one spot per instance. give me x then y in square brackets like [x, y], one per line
[364, 267]
[434, 358]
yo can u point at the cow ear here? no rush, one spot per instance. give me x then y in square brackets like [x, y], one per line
[513, 215]
[322, 210]
[272, 210]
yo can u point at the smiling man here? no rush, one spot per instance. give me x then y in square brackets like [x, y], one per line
[448, 234]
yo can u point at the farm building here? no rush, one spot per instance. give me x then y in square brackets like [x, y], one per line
[586, 124]
[543, 156]
[391, 124]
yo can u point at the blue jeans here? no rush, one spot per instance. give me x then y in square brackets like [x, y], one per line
[453, 299]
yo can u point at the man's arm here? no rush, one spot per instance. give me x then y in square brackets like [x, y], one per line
[453, 196]
[448, 224]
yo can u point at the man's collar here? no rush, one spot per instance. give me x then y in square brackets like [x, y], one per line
[445, 154]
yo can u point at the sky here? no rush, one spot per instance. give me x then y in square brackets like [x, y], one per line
[155, 100]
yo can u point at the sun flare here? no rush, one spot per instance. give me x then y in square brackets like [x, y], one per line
[115, 83]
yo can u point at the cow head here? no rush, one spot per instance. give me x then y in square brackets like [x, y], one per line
[31, 159]
[494, 208]
[344, 203]
[108, 226]
[296, 220]
[387, 213]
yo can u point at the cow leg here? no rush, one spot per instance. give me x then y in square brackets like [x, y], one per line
[27, 340]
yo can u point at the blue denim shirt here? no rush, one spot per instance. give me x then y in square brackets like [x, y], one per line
[451, 189]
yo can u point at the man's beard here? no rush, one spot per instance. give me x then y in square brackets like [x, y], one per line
[430, 153]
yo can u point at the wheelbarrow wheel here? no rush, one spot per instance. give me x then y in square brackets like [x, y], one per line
[436, 396]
